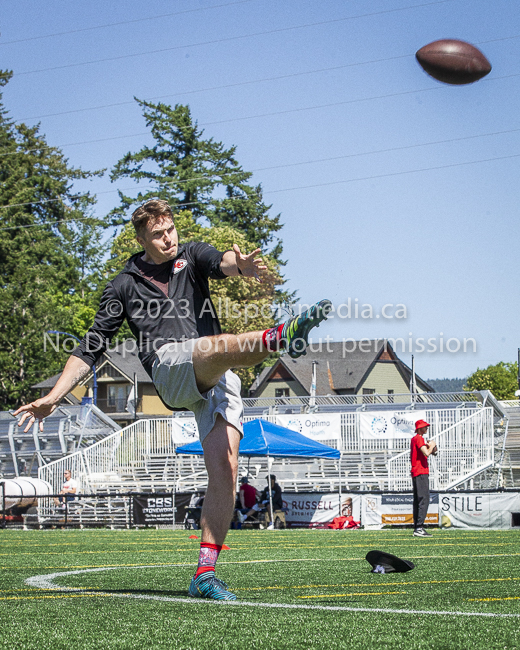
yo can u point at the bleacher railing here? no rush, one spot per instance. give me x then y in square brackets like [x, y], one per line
[347, 400]
[142, 455]
[466, 448]
[510, 403]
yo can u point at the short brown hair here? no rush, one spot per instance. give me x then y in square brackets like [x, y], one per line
[150, 211]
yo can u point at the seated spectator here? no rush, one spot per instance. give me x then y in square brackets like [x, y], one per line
[272, 491]
[247, 494]
[246, 499]
[69, 488]
[197, 499]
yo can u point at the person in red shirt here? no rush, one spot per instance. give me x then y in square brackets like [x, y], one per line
[420, 449]
[247, 494]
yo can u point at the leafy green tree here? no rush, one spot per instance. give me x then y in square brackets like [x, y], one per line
[43, 253]
[501, 379]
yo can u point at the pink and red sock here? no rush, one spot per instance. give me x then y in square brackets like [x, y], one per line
[272, 337]
[208, 557]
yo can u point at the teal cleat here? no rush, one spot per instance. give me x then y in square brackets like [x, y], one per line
[295, 331]
[207, 585]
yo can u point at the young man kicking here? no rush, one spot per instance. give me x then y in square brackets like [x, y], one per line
[164, 295]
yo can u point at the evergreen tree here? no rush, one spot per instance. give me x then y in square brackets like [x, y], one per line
[447, 385]
[41, 248]
[204, 183]
[191, 172]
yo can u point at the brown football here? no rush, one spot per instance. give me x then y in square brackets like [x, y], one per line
[453, 62]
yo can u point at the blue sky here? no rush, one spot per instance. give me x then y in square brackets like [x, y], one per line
[393, 188]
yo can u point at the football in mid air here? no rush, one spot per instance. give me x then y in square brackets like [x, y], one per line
[453, 62]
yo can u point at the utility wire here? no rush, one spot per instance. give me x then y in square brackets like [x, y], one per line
[53, 223]
[390, 174]
[233, 38]
[124, 22]
[343, 103]
[291, 189]
[224, 87]
[246, 83]
[251, 117]
[334, 158]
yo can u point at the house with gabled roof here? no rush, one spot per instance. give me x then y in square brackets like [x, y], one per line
[363, 367]
[116, 372]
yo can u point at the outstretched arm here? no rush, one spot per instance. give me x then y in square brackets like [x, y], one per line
[236, 263]
[74, 371]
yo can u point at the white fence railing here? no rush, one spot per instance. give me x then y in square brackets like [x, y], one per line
[466, 447]
[53, 472]
[510, 403]
[142, 455]
[346, 400]
[103, 463]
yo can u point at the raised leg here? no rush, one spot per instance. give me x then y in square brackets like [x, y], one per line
[214, 355]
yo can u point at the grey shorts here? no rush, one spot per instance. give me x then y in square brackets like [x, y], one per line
[174, 380]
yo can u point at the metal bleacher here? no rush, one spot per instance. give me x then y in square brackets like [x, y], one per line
[67, 430]
[141, 457]
[511, 461]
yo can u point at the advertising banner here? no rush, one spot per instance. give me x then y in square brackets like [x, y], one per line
[151, 510]
[324, 427]
[184, 430]
[395, 510]
[316, 510]
[389, 424]
[478, 510]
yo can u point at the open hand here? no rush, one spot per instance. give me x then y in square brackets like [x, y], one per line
[37, 410]
[248, 265]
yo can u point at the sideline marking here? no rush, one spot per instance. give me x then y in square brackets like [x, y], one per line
[304, 559]
[485, 600]
[239, 547]
[46, 581]
[85, 595]
[370, 584]
[368, 593]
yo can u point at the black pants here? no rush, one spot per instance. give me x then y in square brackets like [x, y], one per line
[421, 499]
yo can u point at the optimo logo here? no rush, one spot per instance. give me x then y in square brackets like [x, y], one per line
[379, 426]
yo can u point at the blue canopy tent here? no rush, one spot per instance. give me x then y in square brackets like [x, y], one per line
[263, 438]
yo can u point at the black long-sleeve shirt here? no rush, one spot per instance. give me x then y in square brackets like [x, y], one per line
[154, 318]
[277, 496]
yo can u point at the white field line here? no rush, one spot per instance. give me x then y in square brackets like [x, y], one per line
[46, 582]
[305, 559]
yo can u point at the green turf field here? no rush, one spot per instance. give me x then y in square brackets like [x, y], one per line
[296, 589]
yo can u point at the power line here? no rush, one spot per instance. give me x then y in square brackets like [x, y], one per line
[329, 159]
[291, 189]
[343, 103]
[223, 87]
[251, 117]
[390, 174]
[124, 22]
[389, 150]
[246, 83]
[233, 38]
